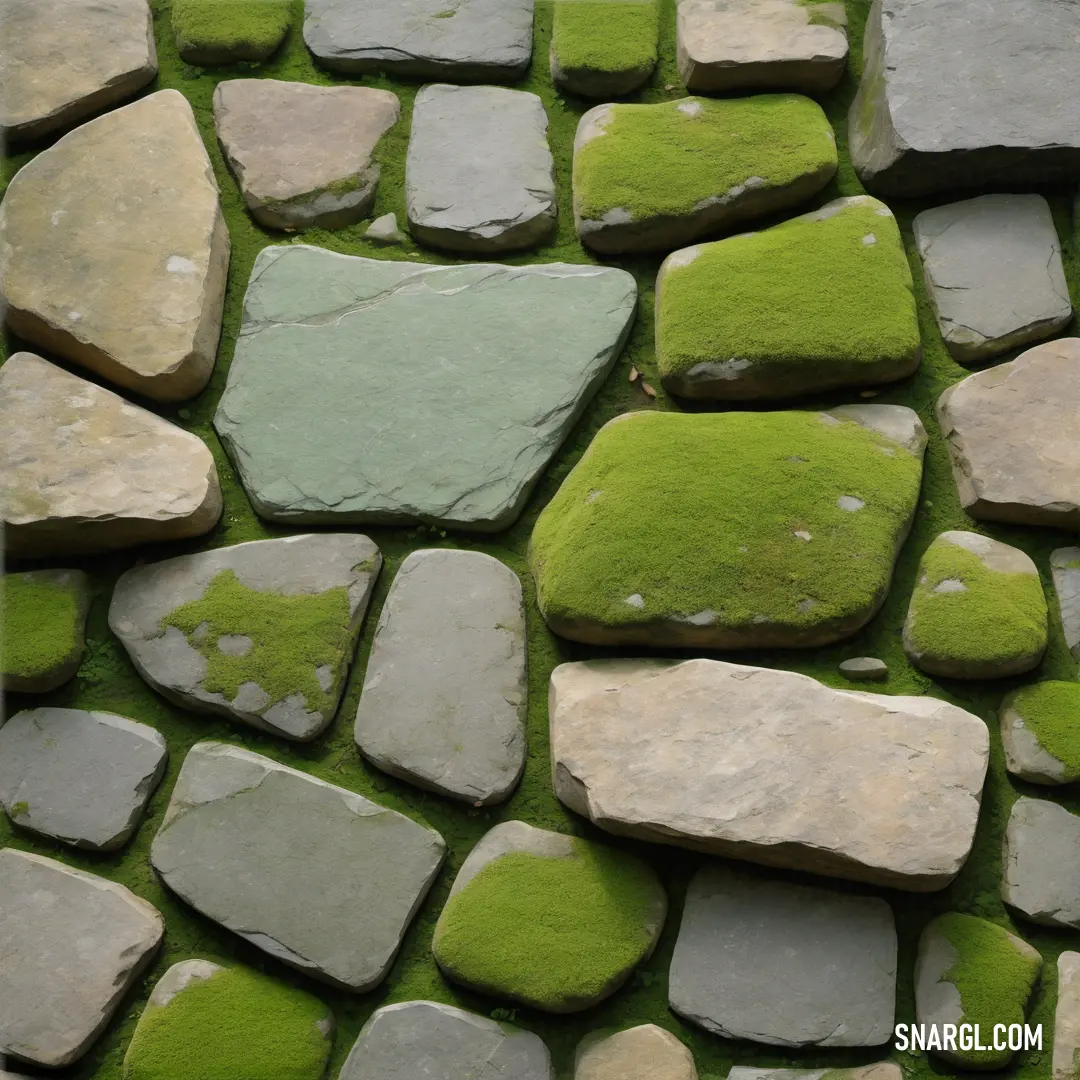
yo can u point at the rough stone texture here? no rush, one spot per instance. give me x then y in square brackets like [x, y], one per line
[788, 965]
[479, 176]
[443, 704]
[1026, 753]
[293, 846]
[440, 1042]
[1004, 432]
[864, 669]
[384, 230]
[302, 154]
[881, 1070]
[72, 943]
[1066, 1018]
[81, 777]
[144, 314]
[64, 61]
[856, 785]
[725, 46]
[646, 1052]
[1065, 568]
[474, 41]
[470, 376]
[297, 565]
[993, 273]
[82, 470]
[1041, 863]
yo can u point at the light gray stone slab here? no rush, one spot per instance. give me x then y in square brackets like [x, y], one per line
[1065, 569]
[1041, 863]
[881, 1070]
[1066, 1018]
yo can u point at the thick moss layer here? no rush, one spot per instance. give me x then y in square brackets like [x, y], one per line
[605, 36]
[40, 625]
[217, 31]
[1051, 712]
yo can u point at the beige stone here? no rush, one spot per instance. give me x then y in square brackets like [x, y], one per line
[82, 470]
[1067, 1018]
[641, 1053]
[114, 251]
[881, 1070]
[302, 154]
[1010, 432]
[770, 766]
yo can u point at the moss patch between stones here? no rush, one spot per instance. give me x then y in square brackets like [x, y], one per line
[39, 625]
[242, 29]
[1051, 712]
[607, 37]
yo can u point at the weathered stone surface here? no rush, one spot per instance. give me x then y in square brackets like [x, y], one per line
[479, 176]
[864, 669]
[414, 1038]
[82, 470]
[476, 40]
[1004, 431]
[881, 1070]
[646, 1052]
[856, 785]
[302, 154]
[470, 377]
[1066, 1018]
[318, 877]
[444, 696]
[384, 230]
[1040, 731]
[145, 314]
[788, 965]
[1041, 871]
[64, 61]
[72, 943]
[81, 777]
[1065, 568]
[731, 45]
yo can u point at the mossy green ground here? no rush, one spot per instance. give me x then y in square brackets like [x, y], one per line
[107, 680]
[245, 29]
[1051, 712]
[39, 625]
[605, 36]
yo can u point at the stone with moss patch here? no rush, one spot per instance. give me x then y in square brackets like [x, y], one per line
[655, 177]
[603, 49]
[1065, 1064]
[1065, 570]
[1040, 729]
[225, 31]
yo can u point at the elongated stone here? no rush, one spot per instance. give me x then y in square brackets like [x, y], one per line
[1065, 569]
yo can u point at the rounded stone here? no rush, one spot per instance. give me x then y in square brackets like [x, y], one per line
[864, 669]
[1040, 730]
[641, 1053]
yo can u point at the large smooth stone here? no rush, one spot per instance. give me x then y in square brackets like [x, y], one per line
[855, 785]
[263, 632]
[646, 1052]
[318, 877]
[144, 313]
[73, 945]
[1066, 1046]
[1040, 732]
[368, 391]
[1065, 570]
[82, 470]
[1041, 863]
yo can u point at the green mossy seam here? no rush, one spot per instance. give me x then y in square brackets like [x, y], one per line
[1051, 712]
[605, 37]
[39, 625]
[241, 29]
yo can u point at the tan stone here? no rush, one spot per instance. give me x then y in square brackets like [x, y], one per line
[114, 251]
[83, 470]
[1067, 1018]
[770, 766]
[641, 1053]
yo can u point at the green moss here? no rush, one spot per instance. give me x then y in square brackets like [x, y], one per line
[236, 1025]
[1051, 712]
[825, 13]
[550, 932]
[605, 36]
[291, 635]
[666, 159]
[40, 624]
[230, 29]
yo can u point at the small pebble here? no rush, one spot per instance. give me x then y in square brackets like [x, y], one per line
[865, 669]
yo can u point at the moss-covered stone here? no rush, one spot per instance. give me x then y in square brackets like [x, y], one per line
[224, 31]
[1040, 728]
[604, 48]
[821, 301]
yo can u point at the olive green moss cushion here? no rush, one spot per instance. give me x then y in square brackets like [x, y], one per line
[224, 31]
[604, 47]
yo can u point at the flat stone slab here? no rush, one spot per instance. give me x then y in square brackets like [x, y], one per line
[856, 785]
[63, 62]
[263, 632]
[726, 46]
[790, 544]
[1066, 1017]
[440, 1042]
[1003, 427]
[1065, 570]
[468, 41]
[442, 391]
[603, 48]
[881, 1070]
[656, 177]
[301, 154]
[1041, 867]
[783, 964]
[83, 778]
[205, 34]
[60, 436]
[455, 722]
[73, 945]
[318, 877]
[1040, 730]
[820, 301]
[1005, 125]
[646, 1052]
[145, 316]
[479, 176]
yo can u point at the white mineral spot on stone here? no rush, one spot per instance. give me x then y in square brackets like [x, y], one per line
[869, 239]
[950, 585]
[593, 495]
[802, 534]
[700, 618]
[177, 264]
[691, 108]
[636, 600]
[807, 604]
[850, 502]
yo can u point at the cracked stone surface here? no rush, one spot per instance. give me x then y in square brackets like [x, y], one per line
[784, 964]
[1041, 863]
[73, 944]
[316, 876]
[849, 784]
[1065, 569]
[479, 175]
[1066, 1018]
[442, 391]
[168, 659]
[646, 1052]
[881, 1070]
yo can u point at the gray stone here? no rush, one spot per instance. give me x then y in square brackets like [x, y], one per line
[80, 777]
[316, 876]
[302, 154]
[993, 273]
[1039, 748]
[73, 944]
[384, 230]
[646, 1052]
[479, 176]
[851, 784]
[864, 669]
[1041, 863]
[1066, 1018]
[788, 965]
[442, 391]
[444, 696]
[459, 40]
[953, 98]
[439, 1042]
[1065, 569]
[308, 662]
[881, 1070]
